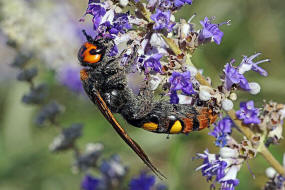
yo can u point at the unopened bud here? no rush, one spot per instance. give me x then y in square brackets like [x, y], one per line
[270, 173]
[204, 95]
[227, 104]
[233, 96]
[124, 2]
[254, 88]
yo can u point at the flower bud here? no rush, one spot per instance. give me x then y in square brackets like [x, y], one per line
[124, 2]
[204, 95]
[282, 113]
[270, 173]
[233, 96]
[254, 88]
[185, 28]
[227, 104]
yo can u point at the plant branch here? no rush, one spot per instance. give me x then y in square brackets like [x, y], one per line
[243, 128]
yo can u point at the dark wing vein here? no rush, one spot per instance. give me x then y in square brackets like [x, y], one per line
[98, 100]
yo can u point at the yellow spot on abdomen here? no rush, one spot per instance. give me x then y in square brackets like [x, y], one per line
[150, 126]
[176, 127]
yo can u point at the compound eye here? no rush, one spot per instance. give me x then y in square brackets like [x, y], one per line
[90, 54]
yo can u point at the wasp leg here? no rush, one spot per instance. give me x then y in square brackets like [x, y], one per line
[138, 106]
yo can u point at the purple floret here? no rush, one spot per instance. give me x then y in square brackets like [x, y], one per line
[210, 31]
[232, 76]
[162, 20]
[248, 113]
[181, 81]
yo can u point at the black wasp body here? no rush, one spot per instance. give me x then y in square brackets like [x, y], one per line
[105, 82]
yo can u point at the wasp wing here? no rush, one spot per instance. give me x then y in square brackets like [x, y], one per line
[98, 100]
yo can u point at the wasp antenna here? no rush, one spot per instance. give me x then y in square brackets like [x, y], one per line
[88, 37]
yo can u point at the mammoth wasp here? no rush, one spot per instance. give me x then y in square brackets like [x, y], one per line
[104, 80]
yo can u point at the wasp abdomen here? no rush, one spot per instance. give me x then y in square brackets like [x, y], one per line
[173, 119]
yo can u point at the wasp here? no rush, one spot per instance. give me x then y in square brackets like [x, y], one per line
[104, 80]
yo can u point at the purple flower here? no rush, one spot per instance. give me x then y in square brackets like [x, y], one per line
[181, 81]
[174, 97]
[229, 181]
[162, 20]
[221, 131]
[121, 23]
[97, 11]
[229, 184]
[165, 4]
[180, 3]
[70, 77]
[222, 168]
[248, 113]
[104, 31]
[170, 5]
[248, 64]
[212, 166]
[113, 169]
[210, 31]
[153, 63]
[232, 76]
[90, 183]
[110, 29]
[143, 182]
[114, 51]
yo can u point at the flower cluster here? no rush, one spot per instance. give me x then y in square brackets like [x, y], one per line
[276, 181]
[35, 32]
[160, 49]
[149, 42]
[142, 182]
[147, 51]
[222, 168]
[235, 75]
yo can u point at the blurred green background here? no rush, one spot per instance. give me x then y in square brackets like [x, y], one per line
[25, 161]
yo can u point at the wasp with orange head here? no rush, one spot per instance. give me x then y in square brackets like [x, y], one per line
[105, 81]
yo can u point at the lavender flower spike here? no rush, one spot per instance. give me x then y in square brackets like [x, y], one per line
[248, 113]
[248, 64]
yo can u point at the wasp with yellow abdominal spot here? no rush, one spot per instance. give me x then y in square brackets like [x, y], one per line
[105, 82]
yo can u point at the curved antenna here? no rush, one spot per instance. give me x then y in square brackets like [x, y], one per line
[88, 37]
